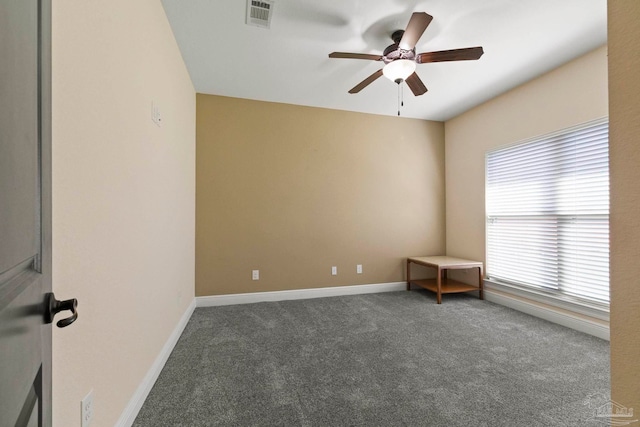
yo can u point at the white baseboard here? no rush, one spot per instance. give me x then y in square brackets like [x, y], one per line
[248, 298]
[135, 403]
[547, 313]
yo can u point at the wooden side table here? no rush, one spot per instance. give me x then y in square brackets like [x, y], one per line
[441, 284]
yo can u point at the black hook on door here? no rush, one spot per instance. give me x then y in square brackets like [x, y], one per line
[53, 306]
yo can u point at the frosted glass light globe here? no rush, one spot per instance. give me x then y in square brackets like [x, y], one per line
[399, 69]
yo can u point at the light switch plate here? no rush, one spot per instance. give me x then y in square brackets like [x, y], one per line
[86, 409]
[156, 116]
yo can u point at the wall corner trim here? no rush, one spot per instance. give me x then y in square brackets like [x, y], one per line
[137, 400]
[254, 297]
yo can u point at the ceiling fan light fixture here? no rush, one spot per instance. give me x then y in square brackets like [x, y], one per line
[399, 69]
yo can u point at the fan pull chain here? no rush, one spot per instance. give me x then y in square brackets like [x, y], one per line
[400, 95]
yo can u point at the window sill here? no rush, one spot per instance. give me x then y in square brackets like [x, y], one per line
[591, 310]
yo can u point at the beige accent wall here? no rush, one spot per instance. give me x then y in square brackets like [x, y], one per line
[572, 94]
[292, 191]
[123, 198]
[624, 120]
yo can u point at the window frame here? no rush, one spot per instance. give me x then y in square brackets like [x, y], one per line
[555, 298]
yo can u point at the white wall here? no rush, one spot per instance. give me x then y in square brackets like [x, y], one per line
[123, 198]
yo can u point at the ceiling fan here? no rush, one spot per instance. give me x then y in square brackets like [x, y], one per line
[400, 58]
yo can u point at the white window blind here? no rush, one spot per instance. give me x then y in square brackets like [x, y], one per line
[547, 202]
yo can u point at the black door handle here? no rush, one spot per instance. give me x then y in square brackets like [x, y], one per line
[53, 306]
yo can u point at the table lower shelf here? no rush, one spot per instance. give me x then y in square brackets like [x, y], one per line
[448, 286]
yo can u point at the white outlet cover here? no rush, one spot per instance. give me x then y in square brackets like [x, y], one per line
[359, 269]
[334, 271]
[255, 274]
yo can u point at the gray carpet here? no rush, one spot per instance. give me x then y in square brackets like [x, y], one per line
[390, 359]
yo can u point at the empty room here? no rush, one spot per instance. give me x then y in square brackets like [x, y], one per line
[297, 213]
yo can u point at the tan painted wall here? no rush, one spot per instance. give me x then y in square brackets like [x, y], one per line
[293, 190]
[123, 198]
[624, 102]
[572, 94]
[569, 95]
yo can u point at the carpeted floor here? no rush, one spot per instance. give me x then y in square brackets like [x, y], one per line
[390, 359]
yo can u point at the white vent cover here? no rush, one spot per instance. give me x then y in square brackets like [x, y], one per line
[259, 13]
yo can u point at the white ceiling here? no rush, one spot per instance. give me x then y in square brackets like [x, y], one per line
[288, 63]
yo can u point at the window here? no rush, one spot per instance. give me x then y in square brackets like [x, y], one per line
[547, 202]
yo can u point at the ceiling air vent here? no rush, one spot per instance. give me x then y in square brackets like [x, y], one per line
[259, 13]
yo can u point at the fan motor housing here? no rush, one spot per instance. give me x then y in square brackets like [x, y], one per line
[393, 52]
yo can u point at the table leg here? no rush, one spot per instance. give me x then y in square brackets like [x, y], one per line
[439, 283]
[408, 276]
[480, 284]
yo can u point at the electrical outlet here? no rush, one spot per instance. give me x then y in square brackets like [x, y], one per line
[255, 275]
[334, 271]
[86, 409]
[359, 269]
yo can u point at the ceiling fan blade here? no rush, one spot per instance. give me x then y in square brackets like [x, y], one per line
[355, 56]
[465, 54]
[366, 82]
[415, 84]
[417, 24]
